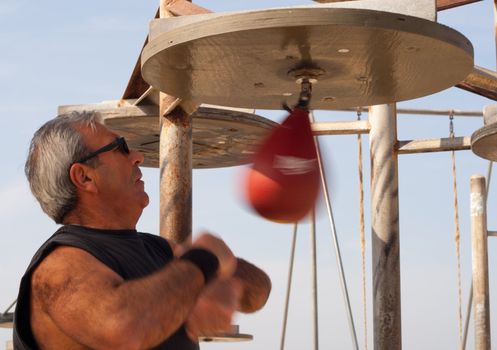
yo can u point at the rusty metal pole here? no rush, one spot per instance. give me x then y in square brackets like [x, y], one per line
[479, 238]
[175, 163]
[385, 227]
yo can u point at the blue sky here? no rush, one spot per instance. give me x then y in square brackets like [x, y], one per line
[59, 52]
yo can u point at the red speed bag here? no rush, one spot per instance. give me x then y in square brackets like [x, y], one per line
[283, 183]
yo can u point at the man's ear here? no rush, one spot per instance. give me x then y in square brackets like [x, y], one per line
[82, 176]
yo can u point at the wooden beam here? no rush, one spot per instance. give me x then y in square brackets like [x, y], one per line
[448, 4]
[136, 85]
[434, 145]
[186, 8]
[341, 128]
[481, 81]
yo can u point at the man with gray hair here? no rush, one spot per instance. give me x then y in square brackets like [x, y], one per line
[97, 282]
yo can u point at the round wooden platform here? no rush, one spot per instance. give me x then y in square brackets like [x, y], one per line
[221, 137]
[7, 320]
[246, 59]
[233, 336]
[227, 338]
[484, 142]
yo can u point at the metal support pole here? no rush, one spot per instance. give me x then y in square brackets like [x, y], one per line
[288, 287]
[175, 164]
[489, 174]
[314, 281]
[481, 298]
[385, 228]
[470, 295]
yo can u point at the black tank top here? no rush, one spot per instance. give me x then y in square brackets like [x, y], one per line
[129, 253]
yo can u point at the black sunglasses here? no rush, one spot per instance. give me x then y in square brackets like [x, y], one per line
[119, 143]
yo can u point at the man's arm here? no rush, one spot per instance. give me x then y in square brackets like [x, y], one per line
[256, 286]
[214, 309]
[93, 305]
[247, 292]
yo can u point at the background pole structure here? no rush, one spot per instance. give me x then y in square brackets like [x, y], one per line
[489, 173]
[175, 162]
[385, 227]
[314, 281]
[481, 298]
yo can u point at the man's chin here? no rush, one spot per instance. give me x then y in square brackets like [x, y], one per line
[145, 199]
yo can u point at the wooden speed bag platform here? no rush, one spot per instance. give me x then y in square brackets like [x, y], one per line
[221, 137]
[484, 140]
[247, 59]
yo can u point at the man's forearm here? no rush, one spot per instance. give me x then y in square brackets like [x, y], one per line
[256, 286]
[157, 305]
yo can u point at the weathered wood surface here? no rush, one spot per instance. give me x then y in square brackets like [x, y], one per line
[221, 137]
[385, 228]
[244, 59]
[479, 248]
[484, 142]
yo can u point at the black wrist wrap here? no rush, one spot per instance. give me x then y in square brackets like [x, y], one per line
[207, 262]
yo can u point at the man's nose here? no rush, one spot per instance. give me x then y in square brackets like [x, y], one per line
[136, 156]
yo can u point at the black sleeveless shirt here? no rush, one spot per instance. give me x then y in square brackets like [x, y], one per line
[129, 253]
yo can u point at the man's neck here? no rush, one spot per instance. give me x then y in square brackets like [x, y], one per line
[98, 220]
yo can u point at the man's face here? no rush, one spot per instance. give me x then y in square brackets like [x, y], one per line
[117, 175]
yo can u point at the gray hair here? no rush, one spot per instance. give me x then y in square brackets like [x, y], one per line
[54, 148]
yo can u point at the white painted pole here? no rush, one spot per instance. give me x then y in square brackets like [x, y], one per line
[385, 228]
[481, 298]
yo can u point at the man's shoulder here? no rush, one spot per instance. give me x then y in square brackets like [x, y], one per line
[63, 268]
[159, 241]
[63, 260]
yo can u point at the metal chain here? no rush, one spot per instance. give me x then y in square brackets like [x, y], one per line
[457, 232]
[362, 236]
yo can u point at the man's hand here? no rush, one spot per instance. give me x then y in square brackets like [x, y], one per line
[214, 309]
[227, 261]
